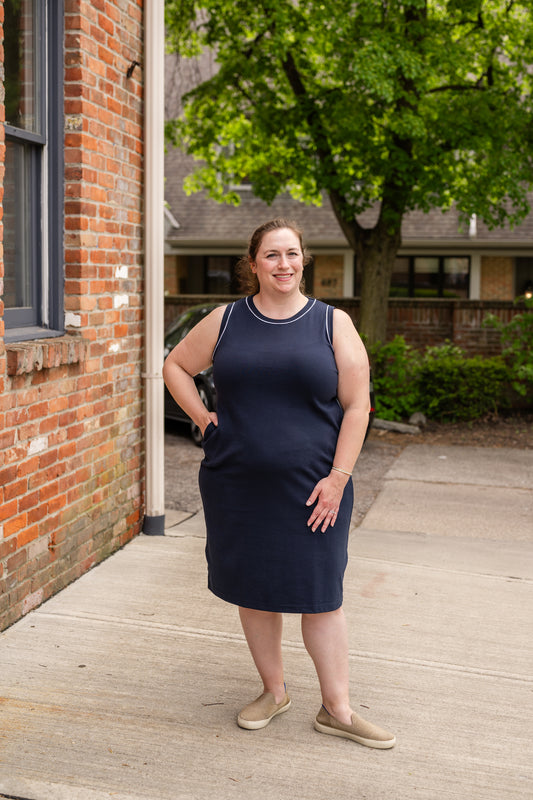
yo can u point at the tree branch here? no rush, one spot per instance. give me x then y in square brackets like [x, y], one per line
[350, 227]
[459, 87]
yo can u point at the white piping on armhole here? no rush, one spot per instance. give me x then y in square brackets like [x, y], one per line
[221, 334]
[329, 324]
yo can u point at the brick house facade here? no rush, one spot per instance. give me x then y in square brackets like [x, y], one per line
[71, 430]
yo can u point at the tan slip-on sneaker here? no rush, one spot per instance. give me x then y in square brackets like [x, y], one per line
[360, 730]
[259, 713]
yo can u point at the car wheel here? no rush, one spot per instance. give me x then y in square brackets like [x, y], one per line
[196, 433]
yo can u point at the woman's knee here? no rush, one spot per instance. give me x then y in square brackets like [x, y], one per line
[324, 617]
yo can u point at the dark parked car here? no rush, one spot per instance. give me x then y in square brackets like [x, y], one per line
[204, 380]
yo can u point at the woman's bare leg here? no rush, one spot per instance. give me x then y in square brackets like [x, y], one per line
[326, 640]
[263, 631]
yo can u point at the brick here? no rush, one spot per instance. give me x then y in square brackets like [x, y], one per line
[49, 490]
[32, 601]
[30, 500]
[16, 417]
[57, 503]
[27, 535]
[15, 489]
[48, 458]
[7, 439]
[16, 561]
[48, 424]
[67, 418]
[8, 510]
[58, 404]
[28, 467]
[67, 450]
[8, 474]
[7, 547]
[37, 513]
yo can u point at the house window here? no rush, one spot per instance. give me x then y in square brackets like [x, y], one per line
[204, 275]
[400, 278]
[431, 276]
[456, 276]
[524, 276]
[218, 274]
[33, 182]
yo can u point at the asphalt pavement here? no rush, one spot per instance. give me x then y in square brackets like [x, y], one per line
[127, 684]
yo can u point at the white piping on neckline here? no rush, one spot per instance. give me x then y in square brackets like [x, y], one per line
[301, 314]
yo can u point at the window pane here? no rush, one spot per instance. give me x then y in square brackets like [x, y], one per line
[400, 278]
[524, 276]
[218, 274]
[17, 227]
[426, 277]
[22, 55]
[456, 282]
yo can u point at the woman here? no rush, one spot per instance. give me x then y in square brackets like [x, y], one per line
[291, 375]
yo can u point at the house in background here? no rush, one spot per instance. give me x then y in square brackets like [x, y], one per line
[439, 257]
[71, 318]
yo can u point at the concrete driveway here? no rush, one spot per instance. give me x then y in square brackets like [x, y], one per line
[126, 685]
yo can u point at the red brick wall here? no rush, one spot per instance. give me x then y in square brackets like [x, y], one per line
[71, 435]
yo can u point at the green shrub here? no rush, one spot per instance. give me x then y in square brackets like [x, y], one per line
[516, 339]
[394, 371]
[442, 383]
[455, 388]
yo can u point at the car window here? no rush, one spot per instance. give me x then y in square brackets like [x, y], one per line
[184, 324]
[177, 333]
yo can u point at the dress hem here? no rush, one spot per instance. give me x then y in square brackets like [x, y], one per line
[322, 608]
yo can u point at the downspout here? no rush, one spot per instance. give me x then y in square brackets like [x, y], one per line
[154, 113]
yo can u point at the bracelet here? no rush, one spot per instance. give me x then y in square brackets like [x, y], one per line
[345, 471]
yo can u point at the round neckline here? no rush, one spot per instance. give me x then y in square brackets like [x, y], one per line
[282, 320]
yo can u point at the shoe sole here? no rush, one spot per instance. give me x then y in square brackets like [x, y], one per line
[255, 725]
[376, 743]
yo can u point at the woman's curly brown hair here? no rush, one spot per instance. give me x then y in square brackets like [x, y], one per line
[246, 279]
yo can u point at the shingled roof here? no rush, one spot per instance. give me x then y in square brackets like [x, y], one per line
[203, 223]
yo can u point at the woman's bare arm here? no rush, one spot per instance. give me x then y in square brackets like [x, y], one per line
[354, 397]
[190, 356]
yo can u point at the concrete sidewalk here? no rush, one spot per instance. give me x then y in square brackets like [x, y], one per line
[127, 684]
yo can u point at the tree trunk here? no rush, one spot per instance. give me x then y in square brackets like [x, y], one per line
[376, 251]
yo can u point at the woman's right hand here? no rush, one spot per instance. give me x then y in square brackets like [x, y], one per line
[213, 418]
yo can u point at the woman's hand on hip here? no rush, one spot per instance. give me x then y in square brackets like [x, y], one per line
[213, 418]
[327, 495]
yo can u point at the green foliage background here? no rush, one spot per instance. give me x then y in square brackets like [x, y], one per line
[413, 105]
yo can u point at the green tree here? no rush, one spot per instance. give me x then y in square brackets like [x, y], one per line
[376, 103]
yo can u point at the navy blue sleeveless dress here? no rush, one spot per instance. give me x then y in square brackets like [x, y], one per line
[279, 419]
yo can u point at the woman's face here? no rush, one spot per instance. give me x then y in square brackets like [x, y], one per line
[279, 261]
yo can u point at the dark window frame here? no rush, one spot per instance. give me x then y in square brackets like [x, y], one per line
[411, 274]
[45, 317]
